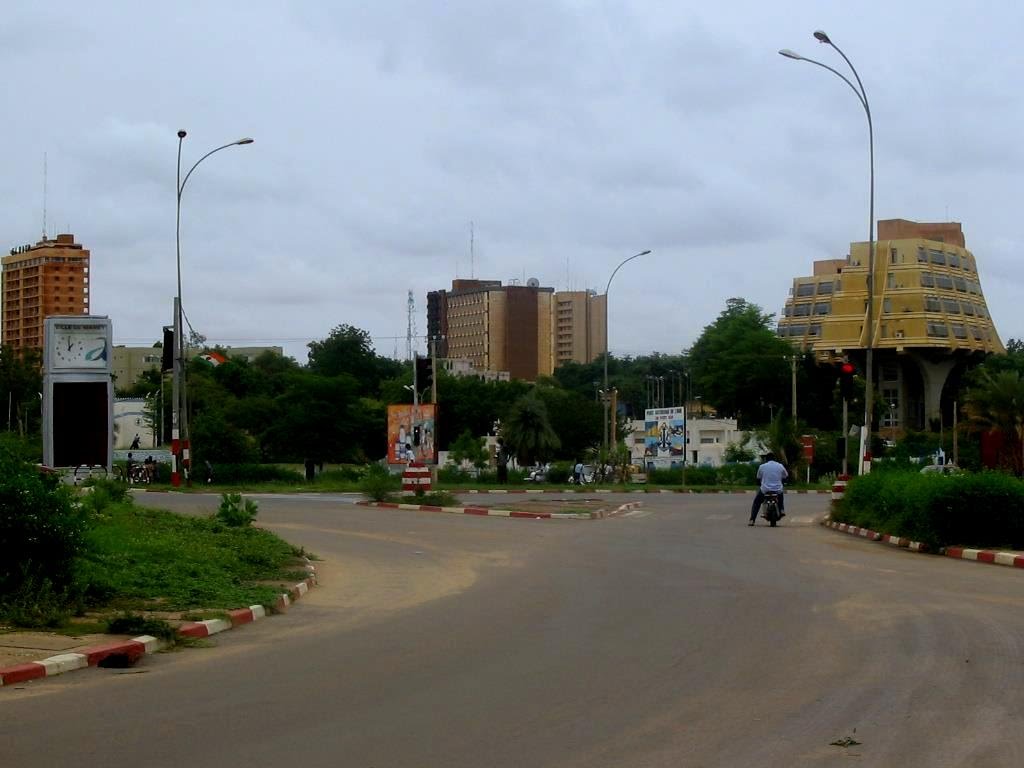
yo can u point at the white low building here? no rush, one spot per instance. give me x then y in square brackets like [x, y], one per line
[667, 437]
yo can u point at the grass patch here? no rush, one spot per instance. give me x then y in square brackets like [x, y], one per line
[142, 558]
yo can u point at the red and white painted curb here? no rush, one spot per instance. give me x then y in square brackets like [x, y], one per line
[632, 490]
[132, 650]
[487, 512]
[1011, 559]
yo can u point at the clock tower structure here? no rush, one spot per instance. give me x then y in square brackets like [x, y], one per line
[78, 391]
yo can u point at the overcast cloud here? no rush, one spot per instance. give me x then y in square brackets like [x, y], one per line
[573, 134]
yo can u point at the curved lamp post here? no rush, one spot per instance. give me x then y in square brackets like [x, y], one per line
[606, 393]
[862, 97]
[179, 413]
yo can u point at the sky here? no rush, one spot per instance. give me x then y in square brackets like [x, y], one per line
[571, 134]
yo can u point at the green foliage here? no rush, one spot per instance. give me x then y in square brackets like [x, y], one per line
[234, 512]
[738, 473]
[20, 383]
[240, 474]
[221, 442]
[983, 510]
[702, 475]
[996, 400]
[437, 499]
[136, 555]
[737, 452]
[468, 448]
[378, 483]
[349, 351]
[134, 624]
[451, 475]
[42, 531]
[560, 472]
[738, 363]
[25, 448]
[527, 431]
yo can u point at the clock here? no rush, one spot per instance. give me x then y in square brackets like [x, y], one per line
[79, 346]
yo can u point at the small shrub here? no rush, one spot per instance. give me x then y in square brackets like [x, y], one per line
[235, 513]
[237, 474]
[452, 475]
[115, 490]
[664, 476]
[438, 499]
[701, 475]
[37, 603]
[560, 472]
[741, 473]
[378, 483]
[133, 624]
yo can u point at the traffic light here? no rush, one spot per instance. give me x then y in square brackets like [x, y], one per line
[416, 435]
[167, 358]
[847, 371]
[424, 373]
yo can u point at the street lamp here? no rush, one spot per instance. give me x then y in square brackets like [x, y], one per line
[606, 394]
[862, 97]
[179, 412]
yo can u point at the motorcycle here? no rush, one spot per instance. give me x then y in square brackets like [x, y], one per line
[770, 510]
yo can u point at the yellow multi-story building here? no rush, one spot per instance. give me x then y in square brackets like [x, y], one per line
[930, 319]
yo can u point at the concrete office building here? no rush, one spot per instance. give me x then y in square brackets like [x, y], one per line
[48, 278]
[526, 330]
[930, 317]
[496, 327]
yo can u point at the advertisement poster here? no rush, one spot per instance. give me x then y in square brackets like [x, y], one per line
[411, 434]
[664, 437]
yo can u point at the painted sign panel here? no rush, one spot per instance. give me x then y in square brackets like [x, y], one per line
[664, 437]
[412, 433]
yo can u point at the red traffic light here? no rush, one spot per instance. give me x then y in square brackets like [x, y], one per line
[848, 369]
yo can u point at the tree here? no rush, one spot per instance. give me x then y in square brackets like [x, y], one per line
[738, 364]
[468, 448]
[527, 431]
[996, 400]
[350, 350]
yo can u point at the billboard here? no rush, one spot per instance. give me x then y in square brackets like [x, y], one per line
[664, 437]
[412, 432]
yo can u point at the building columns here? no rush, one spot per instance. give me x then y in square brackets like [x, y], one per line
[934, 375]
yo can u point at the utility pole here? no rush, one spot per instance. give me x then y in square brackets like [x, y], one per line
[792, 365]
[846, 436]
[433, 374]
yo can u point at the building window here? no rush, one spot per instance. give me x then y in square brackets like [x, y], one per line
[782, 330]
[787, 311]
[967, 307]
[922, 256]
[893, 256]
[887, 305]
[961, 284]
[890, 280]
[938, 330]
[953, 260]
[823, 308]
[825, 288]
[944, 281]
[976, 332]
[959, 331]
[932, 304]
[937, 257]
[927, 280]
[891, 409]
[806, 289]
[814, 329]
[951, 306]
[801, 310]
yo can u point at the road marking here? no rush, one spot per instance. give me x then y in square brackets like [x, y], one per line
[638, 513]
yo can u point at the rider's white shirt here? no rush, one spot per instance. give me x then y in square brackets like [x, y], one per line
[771, 474]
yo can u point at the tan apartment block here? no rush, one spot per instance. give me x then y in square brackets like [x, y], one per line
[48, 278]
[579, 326]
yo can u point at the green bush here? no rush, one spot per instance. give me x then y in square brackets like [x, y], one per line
[234, 474]
[378, 483]
[450, 474]
[560, 472]
[235, 513]
[702, 475]
[133, 624]
[665, 476]
[983, 510]
[42, 531]
[740, 473]
[344, 474]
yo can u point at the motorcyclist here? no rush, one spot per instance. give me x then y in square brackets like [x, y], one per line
[770, 476]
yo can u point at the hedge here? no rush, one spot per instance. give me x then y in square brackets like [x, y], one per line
[979, 510]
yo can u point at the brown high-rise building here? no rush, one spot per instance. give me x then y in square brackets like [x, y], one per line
[48, 278]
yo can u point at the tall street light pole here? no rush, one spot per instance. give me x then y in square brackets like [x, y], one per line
[862, 97]
[607, 394]
[179, 411]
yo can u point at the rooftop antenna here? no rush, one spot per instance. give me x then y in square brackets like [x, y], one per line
[44, 196]
[472, 272]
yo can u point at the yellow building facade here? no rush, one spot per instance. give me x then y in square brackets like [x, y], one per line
[930, 318]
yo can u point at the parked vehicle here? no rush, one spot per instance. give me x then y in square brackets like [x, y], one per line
[538, 474]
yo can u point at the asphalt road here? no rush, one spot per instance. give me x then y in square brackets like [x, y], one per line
[671, 636]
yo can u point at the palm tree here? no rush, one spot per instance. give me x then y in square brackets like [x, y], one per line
[527, 431]
[997, 401]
